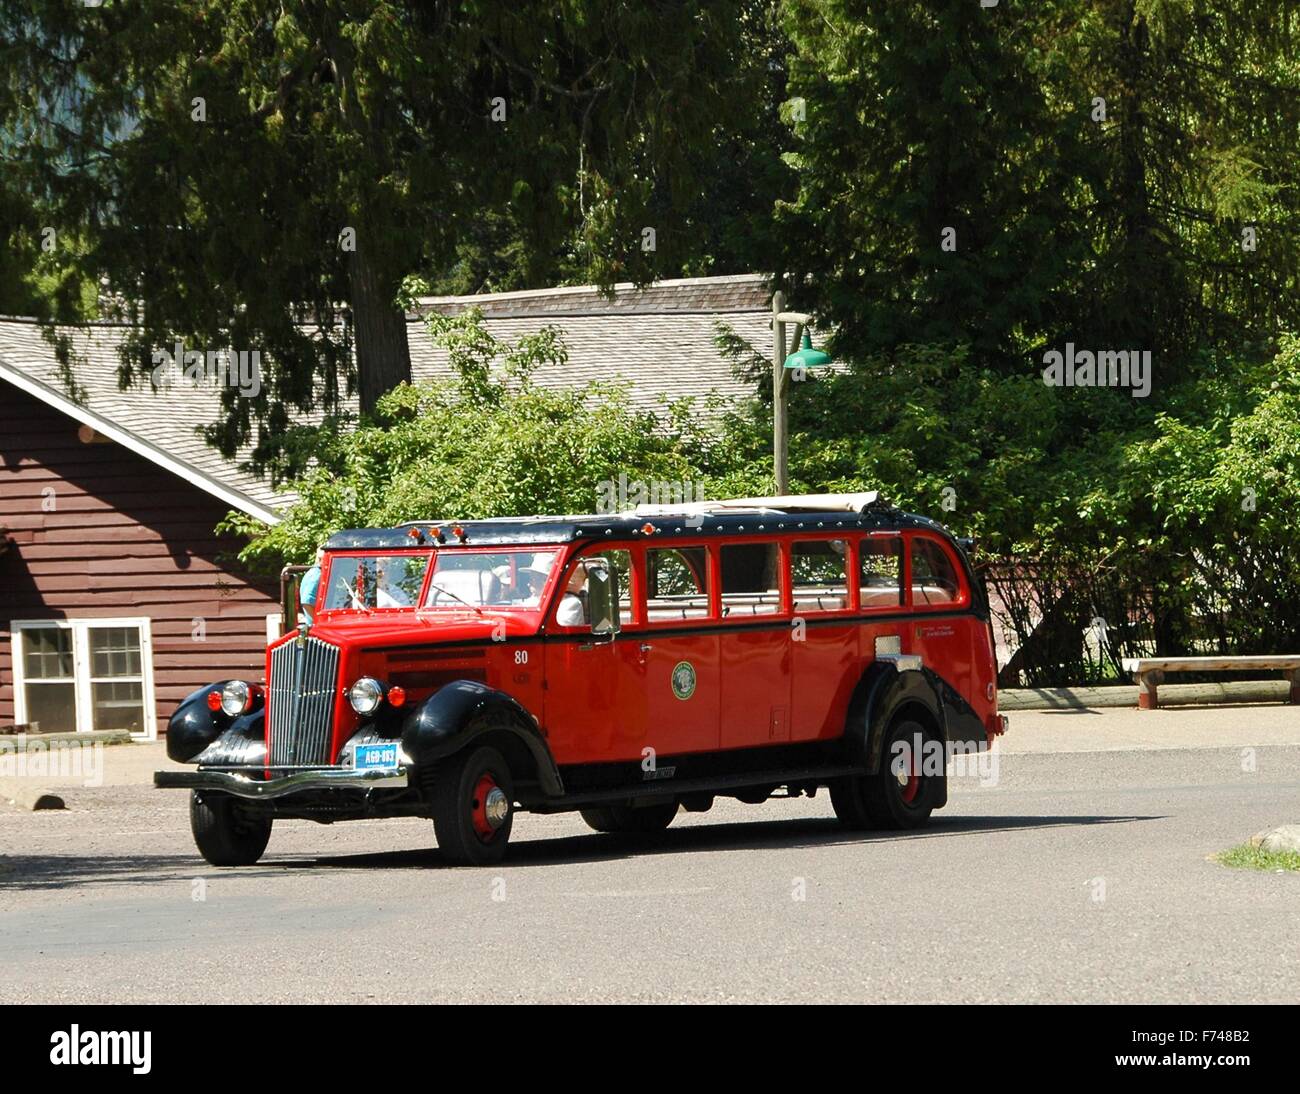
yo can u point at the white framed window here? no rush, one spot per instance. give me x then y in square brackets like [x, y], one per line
[82, 675]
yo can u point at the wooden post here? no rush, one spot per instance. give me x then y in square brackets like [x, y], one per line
[1148, 682]
[780, 452]
[1295, 687]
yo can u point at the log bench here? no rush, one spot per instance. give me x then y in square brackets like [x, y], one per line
[1148, 672]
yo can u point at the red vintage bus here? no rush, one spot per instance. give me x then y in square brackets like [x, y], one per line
[625, 666]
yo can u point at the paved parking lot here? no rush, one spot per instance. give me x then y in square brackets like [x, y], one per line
[1081, 874]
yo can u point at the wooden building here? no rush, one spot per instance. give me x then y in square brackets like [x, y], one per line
[117, 598]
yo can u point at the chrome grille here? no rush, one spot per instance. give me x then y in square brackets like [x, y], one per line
[300, 702]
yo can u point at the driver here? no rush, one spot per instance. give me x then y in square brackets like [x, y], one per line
[572, 611]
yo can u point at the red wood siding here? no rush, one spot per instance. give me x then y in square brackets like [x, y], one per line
[127, 538]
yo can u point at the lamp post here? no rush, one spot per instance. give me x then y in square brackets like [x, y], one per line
[805, 358]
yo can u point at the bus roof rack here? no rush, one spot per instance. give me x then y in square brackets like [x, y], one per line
[779, 503]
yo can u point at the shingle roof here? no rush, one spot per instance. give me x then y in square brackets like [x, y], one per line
[735, 293]
[659, 340]
[159, 425]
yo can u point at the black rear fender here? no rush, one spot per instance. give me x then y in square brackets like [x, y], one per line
[889, 691]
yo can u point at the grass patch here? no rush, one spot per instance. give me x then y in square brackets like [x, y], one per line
[1256, 858]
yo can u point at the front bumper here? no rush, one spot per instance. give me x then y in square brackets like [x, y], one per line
[241, 786]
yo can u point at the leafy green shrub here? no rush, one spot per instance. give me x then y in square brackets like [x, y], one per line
[488, 443]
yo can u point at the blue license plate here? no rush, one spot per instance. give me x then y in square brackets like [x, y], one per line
[376, 757]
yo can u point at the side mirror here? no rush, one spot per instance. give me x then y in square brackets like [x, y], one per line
[602, 600]
[290, 596]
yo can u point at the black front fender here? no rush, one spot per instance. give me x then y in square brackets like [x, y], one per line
[454, 716]
[194, 727]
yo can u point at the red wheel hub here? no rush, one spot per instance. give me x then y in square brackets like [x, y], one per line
[489, 807]
[909, 780]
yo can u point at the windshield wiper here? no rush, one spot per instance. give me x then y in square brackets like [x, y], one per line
[454, 596]
[355, 598]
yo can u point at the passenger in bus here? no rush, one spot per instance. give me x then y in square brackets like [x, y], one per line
[524, 586]
[531, 582]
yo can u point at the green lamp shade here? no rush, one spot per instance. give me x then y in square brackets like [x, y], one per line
[807, 357]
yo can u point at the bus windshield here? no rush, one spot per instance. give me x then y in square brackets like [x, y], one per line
[362, 582]
[489, 579]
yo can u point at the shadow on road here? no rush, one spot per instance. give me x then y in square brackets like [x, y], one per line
[34, 872]
[731, 836]
[1170, 707]
[1069, 710]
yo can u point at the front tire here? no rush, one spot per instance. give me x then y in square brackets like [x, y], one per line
[473, 807]
[902, 793]
[625, 820]
[227, 832]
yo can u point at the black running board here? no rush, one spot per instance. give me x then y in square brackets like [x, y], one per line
[673, 788]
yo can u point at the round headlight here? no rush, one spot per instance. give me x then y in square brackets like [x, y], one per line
[366, 695]
[236, 698]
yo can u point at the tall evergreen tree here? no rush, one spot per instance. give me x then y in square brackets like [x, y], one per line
[936, 179]
[1123, 173]
[258, 175]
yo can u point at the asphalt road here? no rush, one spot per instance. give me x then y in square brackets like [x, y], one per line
[1080, 876]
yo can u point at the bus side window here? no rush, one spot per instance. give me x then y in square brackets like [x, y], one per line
[818, 577]
[934, 578]
[621, 563]
[880, 573]
[678, 584]
[751, 580]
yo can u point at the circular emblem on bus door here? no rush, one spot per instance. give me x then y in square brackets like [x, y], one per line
[683, 679]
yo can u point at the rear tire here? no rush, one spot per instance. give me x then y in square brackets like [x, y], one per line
[850, 808]
[473, 807]
[227, 832]
[901, 794]
[625, 820]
